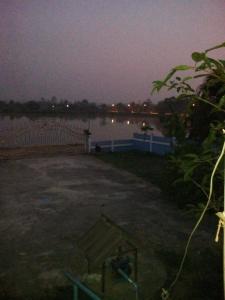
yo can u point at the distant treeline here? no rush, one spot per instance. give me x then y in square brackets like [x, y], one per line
[45, 106]
[55, 106]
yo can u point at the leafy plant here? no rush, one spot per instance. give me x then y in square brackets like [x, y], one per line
[202, 165]
[197, 150]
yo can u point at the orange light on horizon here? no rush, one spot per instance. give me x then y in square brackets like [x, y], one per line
[153, 113]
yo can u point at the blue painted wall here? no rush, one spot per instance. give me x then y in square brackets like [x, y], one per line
[139, 142]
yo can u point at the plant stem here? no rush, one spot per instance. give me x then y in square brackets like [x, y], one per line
[224, 231]
[208, 102]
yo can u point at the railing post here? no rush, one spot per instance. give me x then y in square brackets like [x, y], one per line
[77, 284]
[87, 134]
[89, 144]
[112, 145]
[173, 142]
[150, 142]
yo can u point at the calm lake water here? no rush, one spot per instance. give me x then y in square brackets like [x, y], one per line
[102, 128]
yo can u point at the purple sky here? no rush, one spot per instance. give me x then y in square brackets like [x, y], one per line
[101, 50]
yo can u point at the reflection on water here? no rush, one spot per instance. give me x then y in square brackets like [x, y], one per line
[102, 128]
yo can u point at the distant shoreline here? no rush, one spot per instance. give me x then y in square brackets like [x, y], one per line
[86, 114]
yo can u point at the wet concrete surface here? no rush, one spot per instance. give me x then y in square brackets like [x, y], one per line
[46, 204]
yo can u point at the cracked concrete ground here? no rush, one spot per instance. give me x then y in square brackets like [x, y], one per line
[46, 204]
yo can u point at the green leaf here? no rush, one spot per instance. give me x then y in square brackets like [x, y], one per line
[192, 156]
[183, 68]
[170, 74]
[210, 139]
[222, 101]
[157, 85]
[217, 64]
[203, 66]
[184, 96]
[189, 173]
[198, 56]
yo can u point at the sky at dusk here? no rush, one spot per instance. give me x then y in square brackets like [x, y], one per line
[100, 50]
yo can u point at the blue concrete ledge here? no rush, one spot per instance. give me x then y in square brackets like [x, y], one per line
[140, 142]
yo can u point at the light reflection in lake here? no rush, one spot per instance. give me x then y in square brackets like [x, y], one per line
[102, 128]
